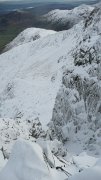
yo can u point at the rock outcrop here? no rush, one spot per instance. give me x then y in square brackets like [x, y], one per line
[77, 110]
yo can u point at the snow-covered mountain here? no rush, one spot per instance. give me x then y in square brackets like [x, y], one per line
[55, 80]
[68, 18]
[28, 35]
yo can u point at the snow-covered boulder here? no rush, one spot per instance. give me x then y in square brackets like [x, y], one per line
[29, 161]
[26, 162]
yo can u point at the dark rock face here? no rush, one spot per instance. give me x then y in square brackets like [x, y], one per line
[89, 20]
[36, 129]
[86, 56]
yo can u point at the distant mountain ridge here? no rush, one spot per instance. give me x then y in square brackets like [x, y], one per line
[12, 23]
[7, 6]
[66, 19]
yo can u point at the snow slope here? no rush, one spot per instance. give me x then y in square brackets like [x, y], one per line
[93, 173]
[28, 35]
[30, 76]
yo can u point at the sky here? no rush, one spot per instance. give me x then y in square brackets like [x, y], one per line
[60, 1]
[45, 0]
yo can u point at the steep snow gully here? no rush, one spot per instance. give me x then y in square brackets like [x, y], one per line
[50, 102]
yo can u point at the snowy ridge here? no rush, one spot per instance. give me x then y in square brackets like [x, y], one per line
[68, 17]
[32, 79]
[28, 35]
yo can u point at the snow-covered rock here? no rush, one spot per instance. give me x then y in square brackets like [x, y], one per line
[29, 161]
[2, 160]
[26, 162]
[77, 111]
[28, 35]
